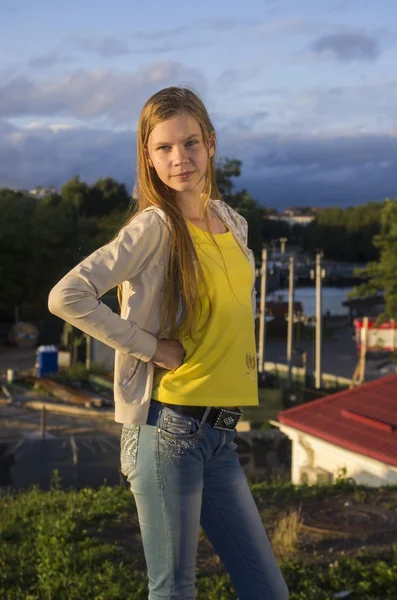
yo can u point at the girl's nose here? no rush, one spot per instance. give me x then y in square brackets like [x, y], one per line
[180, 156]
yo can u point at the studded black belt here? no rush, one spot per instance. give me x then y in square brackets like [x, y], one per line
[219, 418]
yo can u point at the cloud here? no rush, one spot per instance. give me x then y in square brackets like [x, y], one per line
[347, 46]
[160, 34]
[115, 97]
[356, 108]
[318, 169]
[240, 123]
[197, 26]
[320, 153]
[283, 26]
[235, 77]
[46, 153]
[224, 24]
[51, 59]
[166, 40]
[279, 170]
[340, 5]
[107, 47]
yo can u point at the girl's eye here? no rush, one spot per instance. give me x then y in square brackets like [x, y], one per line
[164, 148]
[192, 142]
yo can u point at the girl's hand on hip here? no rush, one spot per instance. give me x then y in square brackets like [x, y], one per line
[169, 354]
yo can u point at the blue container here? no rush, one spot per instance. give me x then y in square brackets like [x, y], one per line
[47, 360]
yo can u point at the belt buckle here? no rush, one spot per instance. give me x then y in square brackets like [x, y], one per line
[227, 419]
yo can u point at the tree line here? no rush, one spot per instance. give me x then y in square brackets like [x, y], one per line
[42, 238]
[345, 234]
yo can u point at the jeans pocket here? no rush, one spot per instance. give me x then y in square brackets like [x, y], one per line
[129, 448]
[174, 423]
[178, 434]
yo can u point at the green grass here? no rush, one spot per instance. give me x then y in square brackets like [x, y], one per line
[80, 545]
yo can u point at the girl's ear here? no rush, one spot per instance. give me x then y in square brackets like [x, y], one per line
[149, 160]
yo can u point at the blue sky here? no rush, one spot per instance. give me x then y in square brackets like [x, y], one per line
[304, 93]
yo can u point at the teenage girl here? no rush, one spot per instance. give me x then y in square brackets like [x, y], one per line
[185, 354]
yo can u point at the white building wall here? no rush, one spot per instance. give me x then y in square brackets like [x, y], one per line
[308, 450]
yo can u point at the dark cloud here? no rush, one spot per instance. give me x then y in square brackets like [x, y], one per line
[54, 154]
[321, 153]
[347, 46]
[318, 170]
[278, 170]
[91, 95]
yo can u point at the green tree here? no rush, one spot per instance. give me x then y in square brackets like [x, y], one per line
[40, 240]
[75, 192]
[225, 171]
[382, 274]
[344, 234]
[241, 201]
[104, 197]
[16, 237]
[108, 226]
[54, 249]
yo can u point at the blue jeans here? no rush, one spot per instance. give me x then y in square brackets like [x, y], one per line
[184, 474]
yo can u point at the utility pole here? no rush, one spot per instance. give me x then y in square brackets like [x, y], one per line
[283, 241]
[88, 352]
[359, 371]
[319, 321]
[363, 353]
[290, 318]
[43, 422]
[262, 314]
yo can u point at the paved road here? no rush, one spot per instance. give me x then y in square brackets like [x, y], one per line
[339, 356]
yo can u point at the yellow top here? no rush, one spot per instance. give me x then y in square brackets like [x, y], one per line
[220, 369]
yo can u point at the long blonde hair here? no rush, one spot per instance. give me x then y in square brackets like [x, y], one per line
[184, 273]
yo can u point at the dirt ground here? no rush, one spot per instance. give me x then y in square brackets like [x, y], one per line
[312, 546]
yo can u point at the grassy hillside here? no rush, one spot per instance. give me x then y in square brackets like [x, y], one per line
[75, 545]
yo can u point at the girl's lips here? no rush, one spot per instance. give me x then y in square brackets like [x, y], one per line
[184, 175]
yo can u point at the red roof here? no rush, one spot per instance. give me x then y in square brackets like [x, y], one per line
[363, 419]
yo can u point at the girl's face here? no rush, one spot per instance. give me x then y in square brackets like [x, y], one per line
[177, 152]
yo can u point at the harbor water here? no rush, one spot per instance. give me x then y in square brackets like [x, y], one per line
[332, 299]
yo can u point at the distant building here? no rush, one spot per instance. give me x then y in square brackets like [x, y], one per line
[41, 192]
[292, 212]
[353, 432]
[293, 219]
